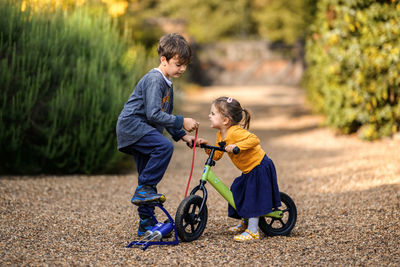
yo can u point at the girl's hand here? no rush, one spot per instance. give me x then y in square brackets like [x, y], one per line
[229, 148]
[201, 141]
[189, 139]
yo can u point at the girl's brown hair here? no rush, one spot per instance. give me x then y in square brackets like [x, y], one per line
[231, 108]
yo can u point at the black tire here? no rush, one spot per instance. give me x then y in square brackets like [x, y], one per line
[273, 226]
[190, 224]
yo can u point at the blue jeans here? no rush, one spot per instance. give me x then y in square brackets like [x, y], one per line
[152, 154]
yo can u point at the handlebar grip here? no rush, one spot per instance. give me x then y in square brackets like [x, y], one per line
[235, 151]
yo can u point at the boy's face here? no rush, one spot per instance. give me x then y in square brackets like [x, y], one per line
[172, 68]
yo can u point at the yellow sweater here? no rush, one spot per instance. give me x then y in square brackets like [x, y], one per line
[251, 152]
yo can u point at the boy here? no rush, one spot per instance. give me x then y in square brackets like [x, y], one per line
[143, 119]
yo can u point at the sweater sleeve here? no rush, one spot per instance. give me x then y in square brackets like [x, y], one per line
[217, 154]
[244, 140]
[176, 133]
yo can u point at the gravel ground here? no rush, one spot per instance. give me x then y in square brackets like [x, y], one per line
[347, 194]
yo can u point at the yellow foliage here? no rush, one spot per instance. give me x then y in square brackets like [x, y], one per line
[347, 18]
[50, 5]
[334, 39]
[372, 87]
[369, 132]
[374, 103]
[372, 118]
[385, 95]
[360, 77]
[364, 43]
[395, 51]
[116, 7]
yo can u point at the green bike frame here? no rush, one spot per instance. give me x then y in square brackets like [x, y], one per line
[209, 176]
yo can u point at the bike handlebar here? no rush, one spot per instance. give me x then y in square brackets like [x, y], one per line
[236, 150]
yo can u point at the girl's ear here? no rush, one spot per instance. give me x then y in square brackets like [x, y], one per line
[226, 121]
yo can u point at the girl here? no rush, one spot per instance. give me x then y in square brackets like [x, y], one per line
[256, 191]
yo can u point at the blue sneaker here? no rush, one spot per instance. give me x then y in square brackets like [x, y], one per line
[144, 225]
[145, 194]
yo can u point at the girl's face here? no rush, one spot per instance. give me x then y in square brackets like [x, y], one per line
[217, 119]
[172, 68]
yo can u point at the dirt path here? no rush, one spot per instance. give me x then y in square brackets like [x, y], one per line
[347, 192]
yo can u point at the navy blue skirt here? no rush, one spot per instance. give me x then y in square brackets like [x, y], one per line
[255, 193]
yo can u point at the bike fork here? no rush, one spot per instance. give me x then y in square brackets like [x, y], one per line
[204, 190]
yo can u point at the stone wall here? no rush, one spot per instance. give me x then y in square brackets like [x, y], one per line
[245, 62]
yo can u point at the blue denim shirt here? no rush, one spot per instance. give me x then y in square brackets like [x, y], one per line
[149, 108]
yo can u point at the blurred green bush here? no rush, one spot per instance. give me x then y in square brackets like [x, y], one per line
[278, 20]
[64, 79]
[353, 58]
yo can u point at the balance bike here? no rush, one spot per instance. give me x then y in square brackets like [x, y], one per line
[191, 216]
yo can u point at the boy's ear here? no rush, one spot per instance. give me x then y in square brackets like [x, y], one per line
[163, 59]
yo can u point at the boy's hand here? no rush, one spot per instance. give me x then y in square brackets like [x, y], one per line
[229, 148]
[190, 124]
[189, 139]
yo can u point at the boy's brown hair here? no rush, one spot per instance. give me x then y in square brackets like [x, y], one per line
[174, 44]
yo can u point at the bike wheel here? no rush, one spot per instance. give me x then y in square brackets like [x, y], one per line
[190, 222]
[283, 226]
